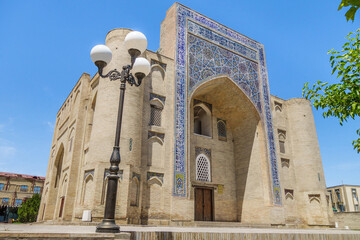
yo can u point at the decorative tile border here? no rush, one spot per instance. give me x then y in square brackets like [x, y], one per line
[205, 151]
[154, 174]
[161, 98]
[220, 40]
[107, 173]
[236, 43]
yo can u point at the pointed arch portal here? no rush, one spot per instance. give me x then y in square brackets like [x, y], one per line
[204, 49]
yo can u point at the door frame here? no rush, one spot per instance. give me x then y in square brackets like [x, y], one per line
[212, 201]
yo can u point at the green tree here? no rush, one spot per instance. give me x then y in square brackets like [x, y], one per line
[29, 209]
[354, 6]
[342, 99]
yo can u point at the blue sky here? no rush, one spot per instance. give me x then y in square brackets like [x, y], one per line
[45, 45]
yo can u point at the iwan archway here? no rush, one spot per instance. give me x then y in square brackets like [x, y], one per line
[227, 154]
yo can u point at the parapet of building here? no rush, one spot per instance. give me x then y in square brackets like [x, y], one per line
[16, 188]
[202, 139]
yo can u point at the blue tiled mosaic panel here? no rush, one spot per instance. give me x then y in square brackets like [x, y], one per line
[221, 40]
[207, 59]
[184, 14]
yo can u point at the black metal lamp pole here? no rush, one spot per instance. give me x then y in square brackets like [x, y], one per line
[108, 223]
[101, 55]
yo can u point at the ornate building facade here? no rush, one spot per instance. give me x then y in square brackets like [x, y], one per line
[202, 138]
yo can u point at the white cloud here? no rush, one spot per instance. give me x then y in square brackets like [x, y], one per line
[7, 152]
[50, 125]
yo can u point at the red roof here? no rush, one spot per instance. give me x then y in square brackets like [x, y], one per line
[17, 175]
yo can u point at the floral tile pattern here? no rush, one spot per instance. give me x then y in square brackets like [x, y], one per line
[200, 38]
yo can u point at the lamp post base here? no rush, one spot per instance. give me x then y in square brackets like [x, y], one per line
[108, 226]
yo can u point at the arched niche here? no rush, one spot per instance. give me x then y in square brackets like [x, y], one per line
[64, 184]
[156, 196]
[202, 120]
[157, 76]
[90, 118]
[58, 165]
[71, 139]
[134, 192]
[232, 160]
[88, 190]
[155, 152]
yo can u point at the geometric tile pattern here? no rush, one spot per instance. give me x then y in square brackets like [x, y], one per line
[250, 72]
[205, 151]
[203, 168]
[222, 41]
[207, 59]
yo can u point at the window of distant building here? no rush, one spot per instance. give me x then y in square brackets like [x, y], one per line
[337, 192]
[1, 186]
[5, 201]
[36, 189]
[339, 203]
[23, 188]
[331, 198]
[18, 202]
[354, 194]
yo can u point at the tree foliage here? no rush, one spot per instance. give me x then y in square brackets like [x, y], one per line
[29, 209]
[342, 99]
[354, 6]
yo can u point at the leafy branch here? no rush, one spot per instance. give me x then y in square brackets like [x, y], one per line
[342, 99]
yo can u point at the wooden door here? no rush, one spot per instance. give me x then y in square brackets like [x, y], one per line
[203, 204]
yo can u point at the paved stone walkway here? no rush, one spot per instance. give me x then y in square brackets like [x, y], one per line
[43, 228]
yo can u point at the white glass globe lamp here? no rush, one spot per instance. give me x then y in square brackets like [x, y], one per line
[101, 55]
[135, 40]
[141, 67]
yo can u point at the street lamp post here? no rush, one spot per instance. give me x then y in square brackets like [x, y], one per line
[101, 55]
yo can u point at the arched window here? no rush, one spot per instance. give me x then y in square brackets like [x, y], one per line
[202, 120]
[156, 107]
[221, 127]
[203, 168]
